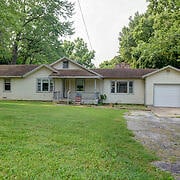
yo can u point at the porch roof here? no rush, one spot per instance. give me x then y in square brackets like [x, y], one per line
[74, 73]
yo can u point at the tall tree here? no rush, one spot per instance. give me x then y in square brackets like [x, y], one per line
[8, 26]
[32, 29]
[153, 39]
[78, 51]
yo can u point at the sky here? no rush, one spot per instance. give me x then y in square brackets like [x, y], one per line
[104, 20]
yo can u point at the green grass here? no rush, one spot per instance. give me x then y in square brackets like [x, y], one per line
[131, 107]
[45, 141]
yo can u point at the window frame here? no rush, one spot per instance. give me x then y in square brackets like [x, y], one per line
[120, 88]
[83, 89]
[113, 87]
[40, 85]
[65, 64]
[7, 84]
[129, 88]
[132, 88]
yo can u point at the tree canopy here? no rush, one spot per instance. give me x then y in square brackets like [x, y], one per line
[110, 64]
[31, 31]
[78, 50]
[152, 39]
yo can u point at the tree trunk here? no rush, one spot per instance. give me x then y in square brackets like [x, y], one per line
[14, 53]
[24, 59]
[15, 49]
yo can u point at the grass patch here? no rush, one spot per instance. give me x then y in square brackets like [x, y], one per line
[131, 107]
[45, 141]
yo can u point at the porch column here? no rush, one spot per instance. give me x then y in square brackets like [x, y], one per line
[95, 85]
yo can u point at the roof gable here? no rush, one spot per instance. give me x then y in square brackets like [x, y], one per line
[39, 67]
[162, 69]
[76, 64]
[66, 59]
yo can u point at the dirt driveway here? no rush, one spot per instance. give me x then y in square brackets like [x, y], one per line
[159, 134]
[165, 112]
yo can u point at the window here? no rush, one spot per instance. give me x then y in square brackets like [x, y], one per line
[65, 64]
[80, 85]
[122, 87]
[7, 85]
[112, 86]
[45, 85]
[130, 87]
[39, 85]
[51, 85]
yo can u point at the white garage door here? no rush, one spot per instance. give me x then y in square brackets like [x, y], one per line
[167, 95]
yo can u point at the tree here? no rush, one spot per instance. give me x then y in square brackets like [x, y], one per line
[152, 40]
[31, 30]
[159, 6]
[8, 26]
[78, 51]
[109, 64]
[163, 48]
[140, 30]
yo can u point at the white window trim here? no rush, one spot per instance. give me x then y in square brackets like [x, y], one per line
[41, 88]
[10, 85]
[127, 86]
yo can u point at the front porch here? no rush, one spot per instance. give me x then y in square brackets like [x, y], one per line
[77, 97]
[77, 91]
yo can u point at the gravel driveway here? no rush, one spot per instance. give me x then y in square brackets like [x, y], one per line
[159, 134]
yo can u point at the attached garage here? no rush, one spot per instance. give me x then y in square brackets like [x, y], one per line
[166, 95]
[162, 87]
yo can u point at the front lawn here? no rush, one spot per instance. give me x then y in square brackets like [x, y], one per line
[46, 141]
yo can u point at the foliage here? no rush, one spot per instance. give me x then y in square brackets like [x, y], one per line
[30, 30]
[103, 96]
[45, 141]
[152, 40]
[109, 64]
[77, 50]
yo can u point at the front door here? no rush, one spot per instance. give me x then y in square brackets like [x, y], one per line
[65, 87]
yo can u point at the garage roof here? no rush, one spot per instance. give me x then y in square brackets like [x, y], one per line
[162, 69]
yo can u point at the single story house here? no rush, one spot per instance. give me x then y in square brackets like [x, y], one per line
[67, 80]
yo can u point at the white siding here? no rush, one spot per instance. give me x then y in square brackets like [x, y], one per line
[58, 85]
[90, 85]
[59, 65]
[167, 76]
[26, 88]
[137, 97]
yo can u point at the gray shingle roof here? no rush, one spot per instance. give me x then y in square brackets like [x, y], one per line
[20, 70]
[123, 72]
[15, 70]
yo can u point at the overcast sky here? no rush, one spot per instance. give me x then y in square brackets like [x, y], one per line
[104, 20]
